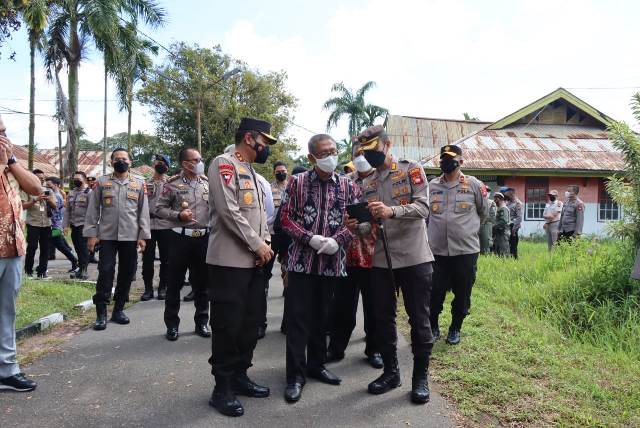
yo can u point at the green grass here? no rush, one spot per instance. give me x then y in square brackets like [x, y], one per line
[40, 298]
[550, 341]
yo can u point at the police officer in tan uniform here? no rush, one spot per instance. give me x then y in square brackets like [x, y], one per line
[486, 226]
[77, 204]
[515, 206]
[160, 233]
[501, 230]
[397, 196]
[238, 251]
[458, 204]
[185, 204]
[118, 218]
[572, 218]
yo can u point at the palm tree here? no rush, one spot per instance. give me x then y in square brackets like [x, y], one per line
[371, 113]
[34, 14]
[132, 67]
[75, 24]
[351, 104]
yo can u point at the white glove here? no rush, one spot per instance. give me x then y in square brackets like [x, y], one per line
[317, 241]
[330, 247]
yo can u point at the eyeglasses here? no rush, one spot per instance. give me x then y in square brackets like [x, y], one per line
[326, 153]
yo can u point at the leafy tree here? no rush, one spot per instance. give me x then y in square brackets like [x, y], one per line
[352, 105]
[625, 188]
[77, 23]
[34, 14]
[10, 20]
[175, 89]
[467, 116]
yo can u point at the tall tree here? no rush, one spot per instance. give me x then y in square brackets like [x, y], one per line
[351, 104]
[77, 23]
[9, 20]
[371, 113]
[35, 15]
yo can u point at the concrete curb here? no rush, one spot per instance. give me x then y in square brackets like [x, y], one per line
[85, 306]
[40, 325]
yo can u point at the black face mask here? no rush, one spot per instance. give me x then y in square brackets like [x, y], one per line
[281, 176]
[77, 183]
[448, 165]
[375, 157]
[161, 168]
[552, 198]
[120, 166]
[262, 153]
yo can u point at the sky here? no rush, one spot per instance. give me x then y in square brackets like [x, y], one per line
[429, 58]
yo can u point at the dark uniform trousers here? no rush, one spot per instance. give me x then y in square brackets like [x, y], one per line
[455, 273]
[60, 243]
[415, 283]
[80, 245]
[268, 268]
[187, 252]
[306, 308]
[513, 243]
[237, 309]
[127, 261]
[37, 236]
[162, 239]
[565, 237]
[344, 308]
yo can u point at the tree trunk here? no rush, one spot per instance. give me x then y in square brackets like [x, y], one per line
[60, 150]
[74, 64]
[129, 145]
[199, 126]
[104, 137]
[32, 98]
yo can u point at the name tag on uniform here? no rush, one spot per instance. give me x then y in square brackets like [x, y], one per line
[132, 195]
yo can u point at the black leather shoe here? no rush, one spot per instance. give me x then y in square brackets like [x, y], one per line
[118, 317]
[172, 334]
[101, 317]
[375, 360]
[324, 375]
[242, 385]
[147, 295]
[190, 297]
[202, 330]
[293, 391]
[389, 379]
[453, 338]
[224, 400]
[435, 332]
[262, 332]
[162, 294]
[333, 356]
[420, 393]
[17, 382]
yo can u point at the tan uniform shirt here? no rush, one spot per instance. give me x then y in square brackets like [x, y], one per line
[118, 210]
[154, 189]
[77, 204]
[237, 214]
[457, 207]
[178, 194]
[515, 213]
[277, 191]
[572, 218]
[37, 214]
[403, 187]
[553, 210]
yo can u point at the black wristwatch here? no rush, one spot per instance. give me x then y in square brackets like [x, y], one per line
[12, 160]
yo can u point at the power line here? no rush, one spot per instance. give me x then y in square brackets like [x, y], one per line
[612, 88]
[6, 110]
[53, 100]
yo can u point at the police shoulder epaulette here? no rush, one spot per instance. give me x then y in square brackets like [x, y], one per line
[173, 178]
[204, 177]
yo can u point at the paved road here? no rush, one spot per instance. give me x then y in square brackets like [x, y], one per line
[131, 376]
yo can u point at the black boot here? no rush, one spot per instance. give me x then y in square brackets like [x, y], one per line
[223, 398]
[243, 385]
[162, 292]
[148, 293]
[101, 317]
[118, 315]
[82, 273]
[419, 382]
[390, 377]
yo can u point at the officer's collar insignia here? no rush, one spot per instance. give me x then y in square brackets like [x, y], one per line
[242, 169]
[394, 166]
[239, 156]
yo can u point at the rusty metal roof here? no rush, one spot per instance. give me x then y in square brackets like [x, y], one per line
[418, 137]
[39, 162]
[539, 147]
[89, 161]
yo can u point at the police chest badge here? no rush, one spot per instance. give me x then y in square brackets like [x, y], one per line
[247, 198]
[416, 176]
[226, 172]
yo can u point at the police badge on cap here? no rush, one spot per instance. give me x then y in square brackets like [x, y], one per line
[248, 124]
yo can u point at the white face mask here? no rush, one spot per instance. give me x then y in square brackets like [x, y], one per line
[199, 168]
[361, 164]
[327, 164]
[567, 194]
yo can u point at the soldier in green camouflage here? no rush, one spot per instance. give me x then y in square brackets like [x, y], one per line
[501, 230]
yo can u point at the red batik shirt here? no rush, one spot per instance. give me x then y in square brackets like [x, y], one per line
[360, 250]
[12, 241]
